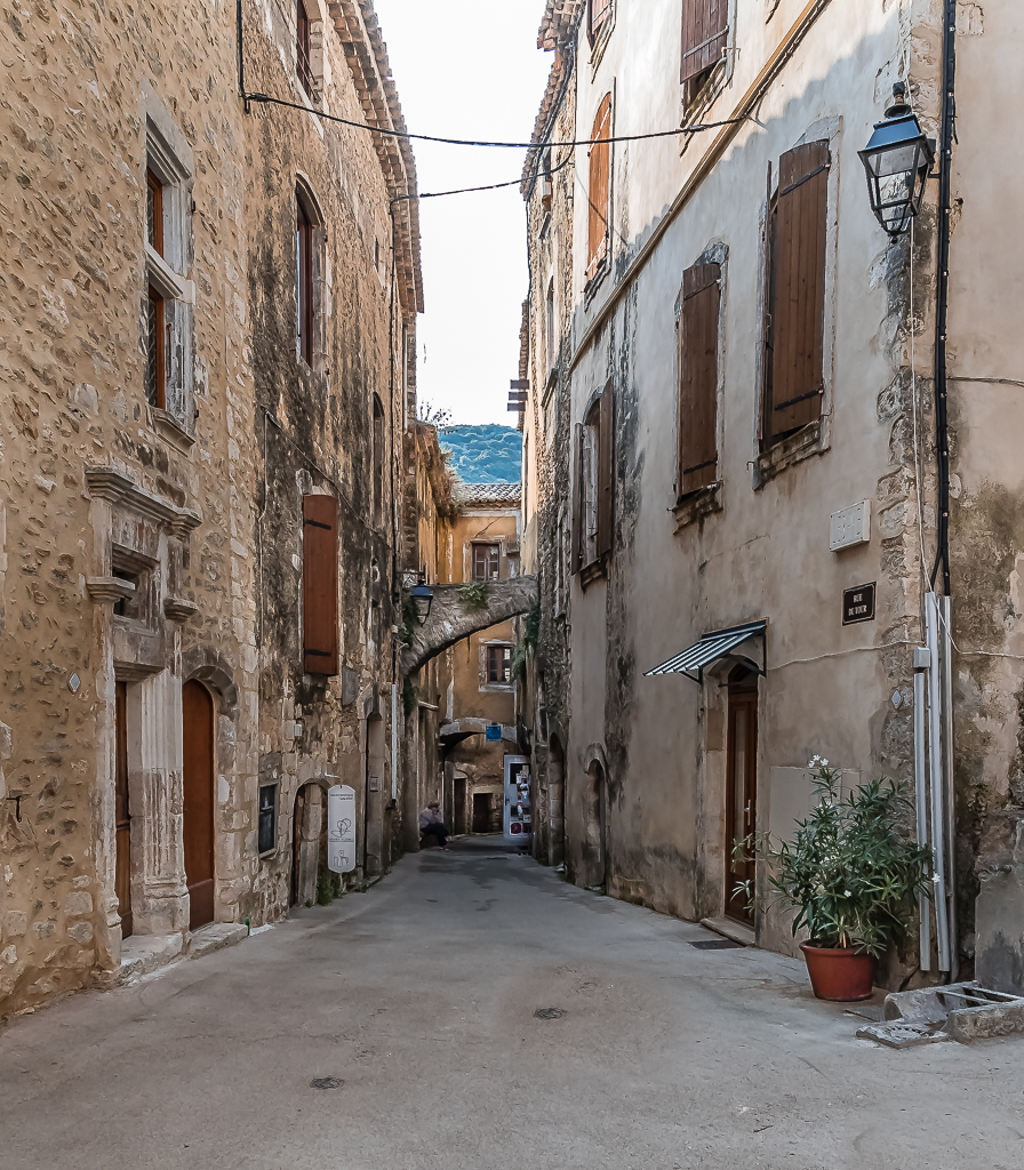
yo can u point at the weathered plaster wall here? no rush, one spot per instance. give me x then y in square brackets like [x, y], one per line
[829, 688]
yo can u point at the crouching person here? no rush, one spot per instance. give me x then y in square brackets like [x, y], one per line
[431, 824]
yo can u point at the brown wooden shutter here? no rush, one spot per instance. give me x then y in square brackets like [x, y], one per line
[606, 472]
[598, 12]
[795, 339]
[705, 35]
[698, 377]
[320, 584]
[577, 501]
[600, 186]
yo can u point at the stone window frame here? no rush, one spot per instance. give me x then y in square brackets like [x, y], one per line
[274, 788]
[310, 80]
[816, 437]
[166, 267]
[507, 649]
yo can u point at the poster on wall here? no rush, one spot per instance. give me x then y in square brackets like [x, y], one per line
[341, 829]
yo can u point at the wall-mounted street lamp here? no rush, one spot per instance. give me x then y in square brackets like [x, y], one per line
[897, 160]
[422, 598]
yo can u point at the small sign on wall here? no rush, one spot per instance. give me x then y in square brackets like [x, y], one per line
[341, 828]
[859, 604]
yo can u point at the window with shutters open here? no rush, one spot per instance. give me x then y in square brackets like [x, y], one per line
[320, 584]
[697, 449]
[594, 498]
[599, 15]
[705, 37]
[794, 327]
[599, 189]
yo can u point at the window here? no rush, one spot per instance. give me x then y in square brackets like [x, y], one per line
[499, 665]
[549, 325]
[156, 315]
[304, 277]
[378, 460]
[599, 188]
[320, 584]
[705, 35]
[486, 562]
[267, 818]
[304, 49]
[598, 14]
[167, 306]
[698, 378]
[593, 515]
[546, 180]
[794, 342]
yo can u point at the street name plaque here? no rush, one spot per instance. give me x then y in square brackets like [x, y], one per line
[859, 604]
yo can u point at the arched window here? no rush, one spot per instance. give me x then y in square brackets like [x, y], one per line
[308, 243]
[600, 188]
[378, 459]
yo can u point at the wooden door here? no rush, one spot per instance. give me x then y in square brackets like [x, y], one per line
[481, 812]
[122, 813]
[298, 818]
[741, 794]
[197, 725]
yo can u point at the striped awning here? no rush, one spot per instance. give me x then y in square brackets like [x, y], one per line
[710, 648]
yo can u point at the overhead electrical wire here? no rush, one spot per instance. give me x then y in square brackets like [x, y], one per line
[266, 99]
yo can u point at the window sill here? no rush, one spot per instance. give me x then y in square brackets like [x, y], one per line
[171, 428]
[595, 571]
[170, 284]
[802, 444]
[697, 505]
[550, 383]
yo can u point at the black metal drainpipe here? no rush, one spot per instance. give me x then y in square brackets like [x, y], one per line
[942, 290]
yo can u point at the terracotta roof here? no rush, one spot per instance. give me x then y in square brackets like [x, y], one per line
[363, 43]
[481, 494]
[559, 20]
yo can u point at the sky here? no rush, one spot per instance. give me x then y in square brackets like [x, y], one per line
[469, 69]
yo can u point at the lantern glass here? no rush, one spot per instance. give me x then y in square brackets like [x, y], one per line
[422, 598]
[897, 161]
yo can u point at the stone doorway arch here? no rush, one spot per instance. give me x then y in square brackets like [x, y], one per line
[595, 844]
[309, 843]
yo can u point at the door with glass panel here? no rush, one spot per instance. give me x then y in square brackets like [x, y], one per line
[741, 792]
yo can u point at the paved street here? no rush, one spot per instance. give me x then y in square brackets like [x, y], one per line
[420, 996]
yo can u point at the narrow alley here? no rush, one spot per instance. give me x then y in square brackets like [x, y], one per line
[473, 1010]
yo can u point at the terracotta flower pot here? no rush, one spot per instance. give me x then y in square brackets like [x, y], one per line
[839, 973]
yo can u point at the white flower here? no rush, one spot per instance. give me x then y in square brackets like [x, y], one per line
[935, 878]
[847, 894]
[824, 763]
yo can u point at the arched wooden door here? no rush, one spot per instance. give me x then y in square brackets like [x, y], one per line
[197, 728]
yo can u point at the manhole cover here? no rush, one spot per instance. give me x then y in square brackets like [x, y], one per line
[549, 1013]
[326, 1083]
[716, 944]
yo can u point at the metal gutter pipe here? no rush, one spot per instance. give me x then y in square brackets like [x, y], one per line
[937, 788]
[922, 660]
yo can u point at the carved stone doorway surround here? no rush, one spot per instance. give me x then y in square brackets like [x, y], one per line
[139, 542]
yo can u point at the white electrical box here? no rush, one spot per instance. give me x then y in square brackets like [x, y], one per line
[850, 526]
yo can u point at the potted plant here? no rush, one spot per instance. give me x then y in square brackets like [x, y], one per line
[853, 873]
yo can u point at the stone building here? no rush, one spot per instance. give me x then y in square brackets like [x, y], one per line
[483, 686]
[207, 366]
[771, 442]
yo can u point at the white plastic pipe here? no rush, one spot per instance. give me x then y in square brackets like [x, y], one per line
[949, 795]
[922, 659]
[938, 819]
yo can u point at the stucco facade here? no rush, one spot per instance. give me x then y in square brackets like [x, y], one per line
[648, 764]
[161, 425]
[483, 686]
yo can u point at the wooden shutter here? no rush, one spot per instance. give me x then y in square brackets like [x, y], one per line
[599, 190]
[577, 501]
[320, 584]
[606, 472]
[794, 331]
[698, 378]
[705, 35]
[598, 12]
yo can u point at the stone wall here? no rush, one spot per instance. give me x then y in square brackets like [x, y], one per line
[145, 546]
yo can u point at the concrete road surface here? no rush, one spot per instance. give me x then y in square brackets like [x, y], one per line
[419, 999]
